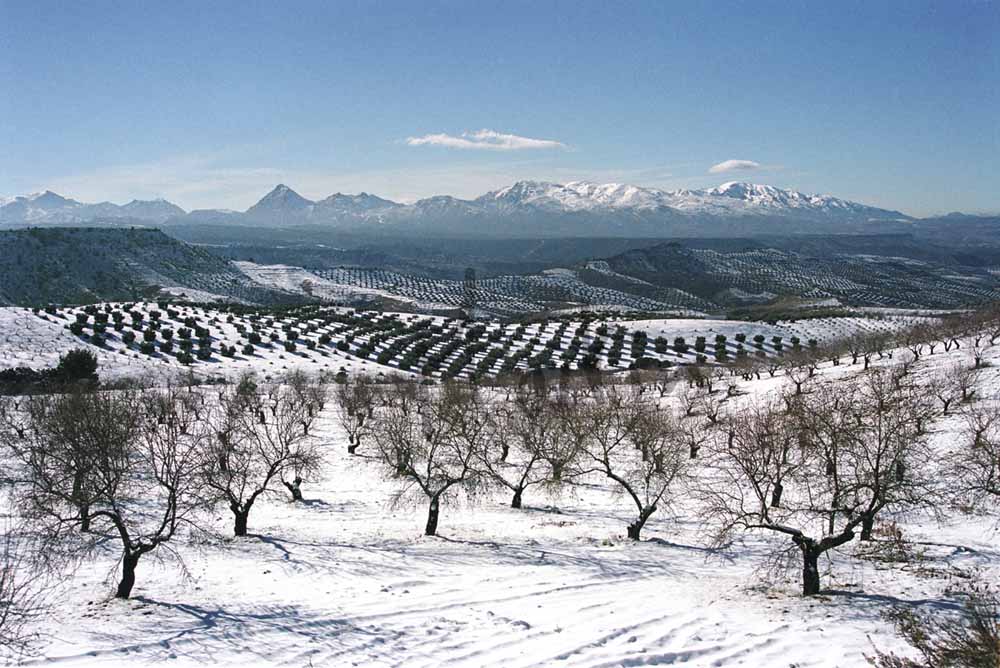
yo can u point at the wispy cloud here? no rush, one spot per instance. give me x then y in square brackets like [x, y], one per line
[485, 140]
[734, 166]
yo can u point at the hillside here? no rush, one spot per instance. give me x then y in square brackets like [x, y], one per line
[81, 265]
[345, 576]
[761, 272]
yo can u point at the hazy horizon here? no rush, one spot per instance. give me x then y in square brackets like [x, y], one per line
[212, 106]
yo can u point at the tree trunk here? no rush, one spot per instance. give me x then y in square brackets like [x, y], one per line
[867, 524]
[557, 471]
[516, 501]
[129, 562]
[810, 571]
[295, 487]
[776, 495]
[85, 519]
[352, 445]
[240, 526]
[635, 528]
[432, 517]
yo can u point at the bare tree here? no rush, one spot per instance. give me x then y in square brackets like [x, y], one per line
[975, 462]
[139, 466]
[664, 382]
[532, 426]
[746, 489]
[356, 402]
[963, 379]
[638, 447]
[262, 433]
[882, 456]
[428, 450]
[977, 350]
[25, 583]
[831, 461]
[799, 368]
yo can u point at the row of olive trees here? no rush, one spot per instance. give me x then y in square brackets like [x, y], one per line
[461, 438]
[816, 463]
[142, 464]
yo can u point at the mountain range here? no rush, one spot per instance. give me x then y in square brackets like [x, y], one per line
[49, 208]
[524, 209]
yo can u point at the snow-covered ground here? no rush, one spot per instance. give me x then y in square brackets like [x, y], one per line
[37, 340]
[346, 578]
[31, 341]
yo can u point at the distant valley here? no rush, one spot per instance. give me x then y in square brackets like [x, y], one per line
[533, 247]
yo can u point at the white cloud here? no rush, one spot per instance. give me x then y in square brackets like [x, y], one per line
[734, 166]
[484, 140]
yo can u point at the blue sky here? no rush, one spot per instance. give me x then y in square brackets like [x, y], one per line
[211, 104]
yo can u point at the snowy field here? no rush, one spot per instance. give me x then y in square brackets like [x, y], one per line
[395, 343]
[347, 579]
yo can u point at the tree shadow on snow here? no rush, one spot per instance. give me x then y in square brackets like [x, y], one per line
[208, 634]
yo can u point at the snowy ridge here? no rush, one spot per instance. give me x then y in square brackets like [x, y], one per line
[729, 200]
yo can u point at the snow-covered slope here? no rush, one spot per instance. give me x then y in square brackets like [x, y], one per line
[345, 578]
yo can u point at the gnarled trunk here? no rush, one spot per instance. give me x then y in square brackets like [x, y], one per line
[867, 525]
[295, 488]
[516, 501]
[432, 516]
[635, 529]
[810, 571]
[240, 524]
[776, 495]
[129, 561]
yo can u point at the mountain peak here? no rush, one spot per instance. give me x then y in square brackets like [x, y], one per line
[281, 198]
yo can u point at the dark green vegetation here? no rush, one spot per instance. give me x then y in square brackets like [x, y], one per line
[76, 367]
[925, 267]
[84, 265]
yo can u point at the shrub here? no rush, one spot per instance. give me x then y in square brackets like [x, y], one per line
[77, 365]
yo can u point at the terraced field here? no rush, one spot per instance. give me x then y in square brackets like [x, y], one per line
[206, 341]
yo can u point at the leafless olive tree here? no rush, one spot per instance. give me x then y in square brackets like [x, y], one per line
[261, 434]
[525, 437]
[432, 446]
[637, 446]
[25, 590]
[134, 474]
[828, 460]
[975, 461]
[356, 402]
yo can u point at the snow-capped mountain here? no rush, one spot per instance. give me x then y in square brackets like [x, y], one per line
[524, 209]
[732, 198]
[48, 208]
